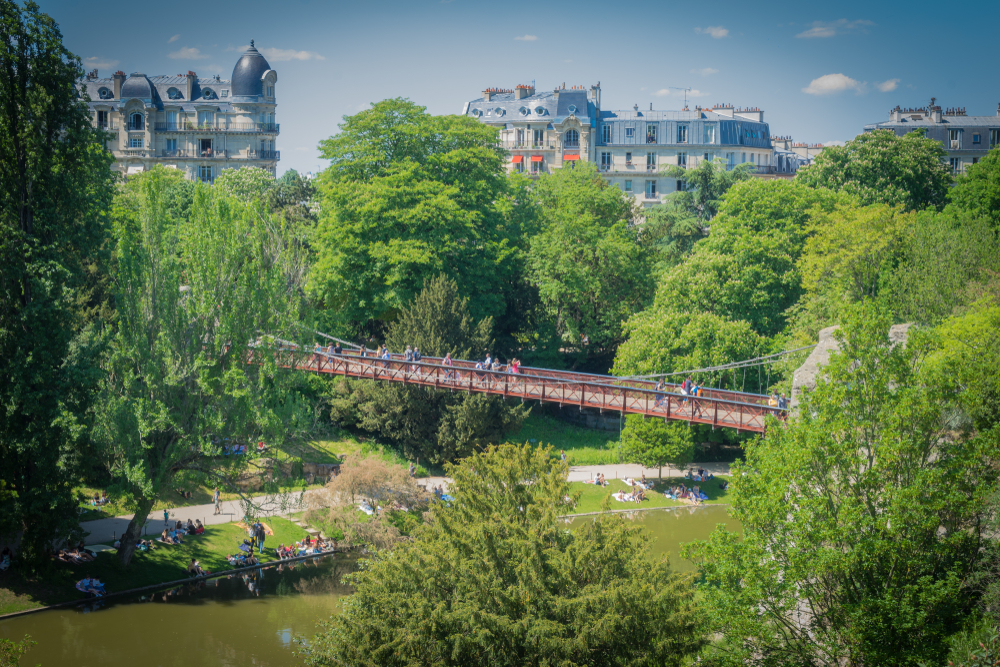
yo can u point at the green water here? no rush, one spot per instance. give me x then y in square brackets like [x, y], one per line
[224, 623]
[673, 527]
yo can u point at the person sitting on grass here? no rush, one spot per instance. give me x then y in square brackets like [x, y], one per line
[194, 569]
[178, 536]
[199, 528]
[6, 556]
[189, 528]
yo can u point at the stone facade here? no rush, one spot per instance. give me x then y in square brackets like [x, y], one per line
[198, 125]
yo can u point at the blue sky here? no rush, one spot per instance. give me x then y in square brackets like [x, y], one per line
[820, 71]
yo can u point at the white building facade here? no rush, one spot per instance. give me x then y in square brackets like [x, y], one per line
[635, 150]
[198, 125]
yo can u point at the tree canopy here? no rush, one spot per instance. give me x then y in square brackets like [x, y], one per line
[881, 168]
[977, 190]
[56, 187]
[494, 579]
[655, 443]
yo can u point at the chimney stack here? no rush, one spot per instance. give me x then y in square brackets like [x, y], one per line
[523, 91]
[192, 79]
[119, 78]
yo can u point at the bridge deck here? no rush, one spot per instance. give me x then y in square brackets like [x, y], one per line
[718, 408]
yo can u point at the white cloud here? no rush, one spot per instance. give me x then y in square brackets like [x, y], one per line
[829, 84]
[527, 38]
[716, 31]
[98, 62]
[888, 86]
[173, 39]
[705, 71]
[187, 53]
[833, 28]
[281, 55]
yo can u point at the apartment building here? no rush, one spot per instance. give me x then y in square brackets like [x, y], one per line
[198, 125]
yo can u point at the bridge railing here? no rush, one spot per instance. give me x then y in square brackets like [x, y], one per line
[556, 387]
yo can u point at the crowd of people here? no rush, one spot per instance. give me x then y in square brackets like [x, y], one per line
[306, 547]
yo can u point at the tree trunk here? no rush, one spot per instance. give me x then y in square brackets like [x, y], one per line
[659, 473]
[134, 531]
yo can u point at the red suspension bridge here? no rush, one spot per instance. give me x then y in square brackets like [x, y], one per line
[715, 407]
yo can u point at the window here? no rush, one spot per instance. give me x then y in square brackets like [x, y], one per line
[205, 173]
[571, 108]
[476, 112]
[102, 119]
[500, 111]
[225, 93]
[539, 137]
[681, 186]
[105, 94]
[605, 161]
[650, 134]
[572, 138]
[743, 158]
[628, 186]
[606, 134]
[956, 163]
[519, 167]
[650, 161]
[751, 158]
[205, 147]
[536, 166]
[730, 160]
[976, 139]
[628, 159]
[135, 141]
[955, 138]
[171, 120]
[270, 91]
[205, 119]
[540, 111]
[994, 138]
[705, 157]
[519, 137]
[171, 145]
[975, 160]
[208, 93]
[682, 159]
[523, 111]
[175, 94]
[630, 133]
[650, 189]
[709, 134]
[136, 121]
[682, 134]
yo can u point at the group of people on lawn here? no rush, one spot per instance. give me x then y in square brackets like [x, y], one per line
[676, 492]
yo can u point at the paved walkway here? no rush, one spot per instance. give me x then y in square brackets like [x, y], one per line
[105, 531]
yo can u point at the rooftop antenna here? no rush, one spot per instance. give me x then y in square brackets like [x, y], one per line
[686, 91]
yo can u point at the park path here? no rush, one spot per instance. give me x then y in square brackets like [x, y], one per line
[105, 531]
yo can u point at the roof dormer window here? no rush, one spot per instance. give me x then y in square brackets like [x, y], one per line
[571, 108]
[104, 93]
[208, 94]
[540, 111]
[500, 111]
[478, 113]
[174, 94]
[523, 111]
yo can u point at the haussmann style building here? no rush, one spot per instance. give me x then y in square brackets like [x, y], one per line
[552, 129]
[198, 125]
[966, 139]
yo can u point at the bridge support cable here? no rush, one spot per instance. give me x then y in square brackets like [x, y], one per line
[747, 363]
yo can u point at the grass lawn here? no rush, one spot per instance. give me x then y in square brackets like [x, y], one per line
[165, 563]
[583, 446]
[592, 496]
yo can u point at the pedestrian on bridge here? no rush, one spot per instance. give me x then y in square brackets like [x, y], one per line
[447, 362]
[416, 358]
[660, 388]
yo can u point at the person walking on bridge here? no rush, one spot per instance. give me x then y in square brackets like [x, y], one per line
[408, 356]
[447, 362]
[660, 387]
[416, 358]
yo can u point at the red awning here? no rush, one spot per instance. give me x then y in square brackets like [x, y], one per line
[571, 157]
[517, 158]
[536, 158]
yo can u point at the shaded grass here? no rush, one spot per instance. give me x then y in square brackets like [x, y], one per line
[583, 446]
[592, 496]
[20, 591]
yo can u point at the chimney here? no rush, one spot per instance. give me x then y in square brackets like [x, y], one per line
[487, 94]
[523, 91]
[119, 78]
[998, 109]
[595, 94]
[192, 79]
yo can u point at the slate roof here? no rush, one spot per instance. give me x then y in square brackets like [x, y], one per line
[502, 107]
[247, 73]
[956, 121]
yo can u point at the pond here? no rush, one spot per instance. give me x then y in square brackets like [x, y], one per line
[224, 622]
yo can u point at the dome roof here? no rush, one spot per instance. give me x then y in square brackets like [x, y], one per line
[137, 85]
[247, 73]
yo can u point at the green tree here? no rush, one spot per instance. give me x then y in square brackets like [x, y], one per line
[654, 443]
[881, 168]
[495, 579]
[590, 262]
[861, 518]
[293, 197]
[11, 652]
[180, 373]
[977, 191]
[409, 196]
[435, 426]
[55, 191]
[247, 183]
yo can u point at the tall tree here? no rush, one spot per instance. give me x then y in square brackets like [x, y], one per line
[881, 168]
[977, 191]
[591, 263]
[55, 191]
[862, 518]
[495, 579]
[409, 196]
[180, 376]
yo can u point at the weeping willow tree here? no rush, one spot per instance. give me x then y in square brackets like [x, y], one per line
[183, 380]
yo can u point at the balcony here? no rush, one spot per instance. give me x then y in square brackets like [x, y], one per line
[248, 128]
[136, 152]
[571, 144]
[136, 128]
[650, 167]
[212, 154]
[107, 127]
[529, 145]
[260, 155]
[651, 196]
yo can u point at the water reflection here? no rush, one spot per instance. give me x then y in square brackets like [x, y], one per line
[238, 620]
